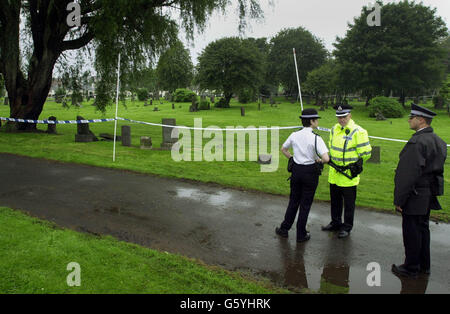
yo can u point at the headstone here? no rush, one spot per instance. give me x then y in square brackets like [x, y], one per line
[151, 102]
[146, 142]
[52, 127]
[156, 109]
[376, 155]
[265, 159]
[126, 135]
[213, 98]
[84, 134]
[110, 137]
[242, 112]
[6, 101]
[259, 106]
[173, 106]
[168, 141]
[272, 101]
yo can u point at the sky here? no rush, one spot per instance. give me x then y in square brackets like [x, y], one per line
[325, 19]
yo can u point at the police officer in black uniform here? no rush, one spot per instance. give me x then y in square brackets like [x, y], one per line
[418, 180]
[309, 150]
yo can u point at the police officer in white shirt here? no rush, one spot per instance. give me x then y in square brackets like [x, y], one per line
[309, 149]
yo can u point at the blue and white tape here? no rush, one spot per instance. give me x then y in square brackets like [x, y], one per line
[56, 122]
[178, 127]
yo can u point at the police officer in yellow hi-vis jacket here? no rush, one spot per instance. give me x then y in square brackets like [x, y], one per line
[349, 147]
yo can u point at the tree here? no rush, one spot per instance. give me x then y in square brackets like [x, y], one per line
[322, 81]
[310, 52]
[446, 46]
[137, 28]
[2, 85]
[230, 65]
[403, 54]
[175, 68]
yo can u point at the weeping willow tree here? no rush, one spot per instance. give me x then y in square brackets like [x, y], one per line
[138, 29]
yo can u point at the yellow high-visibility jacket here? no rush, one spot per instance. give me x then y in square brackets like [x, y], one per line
[347, 145]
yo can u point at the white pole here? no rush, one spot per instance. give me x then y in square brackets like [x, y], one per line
[117, 108]
[298, 79]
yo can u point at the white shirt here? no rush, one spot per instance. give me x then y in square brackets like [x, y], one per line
[303, 144]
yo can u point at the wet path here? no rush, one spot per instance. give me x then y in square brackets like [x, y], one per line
[220, 226]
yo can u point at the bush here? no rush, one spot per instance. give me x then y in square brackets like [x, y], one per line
[222, 103]
[388, 107]
[142, 94]
[204, 105]
[438, 102]
[183, 95]
[246, 95]
[60, 93]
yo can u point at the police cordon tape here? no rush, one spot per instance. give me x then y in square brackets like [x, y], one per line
[178, 127]
[56, 121]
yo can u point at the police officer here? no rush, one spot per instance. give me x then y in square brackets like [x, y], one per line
[309, 149]
[349, 144]
[419, 178]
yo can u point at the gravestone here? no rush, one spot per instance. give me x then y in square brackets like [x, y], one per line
[265, 159]
[380, 117]
[146, 142]
[126, 135]
[84, 134]
[6, 101]
[168, 141]
[173, 106]
[212, 99]
[52, 127]
[110, 137]
[156, 109]
[242, 112]
[375, 158]
[272, 101]
[259, 106]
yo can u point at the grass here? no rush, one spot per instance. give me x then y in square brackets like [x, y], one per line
[375, 190]
[35, 255]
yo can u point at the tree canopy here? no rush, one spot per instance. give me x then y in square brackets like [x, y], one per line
[310, 52]
[140, 29]
[175, 68]
[402, 55]
[230, 65]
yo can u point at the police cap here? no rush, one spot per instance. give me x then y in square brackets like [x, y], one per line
[309, 114]
[342, 110]
[420, 111]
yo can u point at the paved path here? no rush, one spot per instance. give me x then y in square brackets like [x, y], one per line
[221, 226]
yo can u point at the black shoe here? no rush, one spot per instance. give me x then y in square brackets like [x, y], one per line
[330, 227]
[282, 233]
[401, 270]
[343, 234]
[304, 239]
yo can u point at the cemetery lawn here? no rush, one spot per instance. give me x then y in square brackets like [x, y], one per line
[35, 255]
[377, 181]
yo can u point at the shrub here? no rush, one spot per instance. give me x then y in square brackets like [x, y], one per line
[204, 105]
[438, 102]
[142, 94]
[222, 103]
[246, 95]
[60, 93]
[183, 95]
[388, 107]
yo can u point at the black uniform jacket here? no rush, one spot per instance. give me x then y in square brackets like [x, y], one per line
[419, 175]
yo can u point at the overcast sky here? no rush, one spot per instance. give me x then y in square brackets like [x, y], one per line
[326, 19]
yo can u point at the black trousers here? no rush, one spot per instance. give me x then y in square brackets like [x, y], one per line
[416, 239]
[304, 183]
[342, 198]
